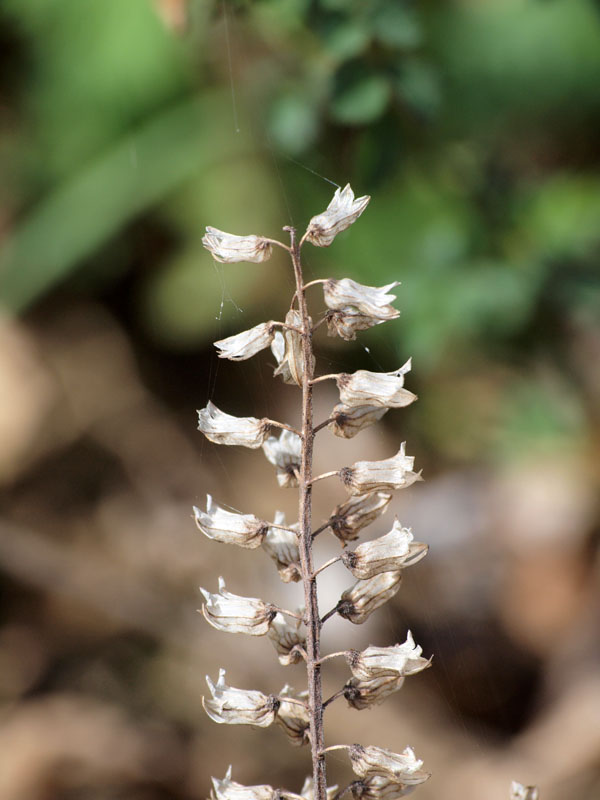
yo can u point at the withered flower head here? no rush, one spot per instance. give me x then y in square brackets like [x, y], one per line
[287, 637]
[293, 717]
[350, 517]
[350, 421]
[403, 767]
[380, 787]
[234, 614]
[227, 247]
[520, 792]
[237, 706]
[247, 343]
[222, 428]
[307, 792]
[346, 324]
[392, 473]
[245, 530]
[230, 790]
[393, 551]
[372, 301]
[282, 547]
[285, 453]
[341, 212]
[358, 603]
[364, 694]
[378, 662]
[382, 389]
[287, 349]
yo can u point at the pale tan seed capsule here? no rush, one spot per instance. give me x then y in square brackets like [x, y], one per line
[372, 301]
[380, 787]
[346, 324]
[288, 636]
[228, 248]
[364, 694]
[403, 767]
[341, 212]
[227, 789]
[396, 550]
[287, 349]
[282, 546]
[247, 343]
[285, 454]
[292, 717]
[397, 661]
[228, 527]
[520, 792]
[356, 513]
[232, 706]
[361, 600]
[235, 614]
[307, 792]
[350, 421]
[382, 389]
[223, 428]
[392, 473]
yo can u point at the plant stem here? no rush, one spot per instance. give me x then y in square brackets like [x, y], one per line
[313, 624]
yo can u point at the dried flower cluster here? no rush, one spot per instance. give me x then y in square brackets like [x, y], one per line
[377, 565]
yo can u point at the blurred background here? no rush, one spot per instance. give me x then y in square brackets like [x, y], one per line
[127, 126]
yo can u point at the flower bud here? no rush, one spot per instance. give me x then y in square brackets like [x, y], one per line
[293, 717]
[227, 247]
[350, 517]
[282, 547]
[285, 454]
[287, 349]
[380, 787]
[358, 603]
[364, 694]
[230, 790]
[372, 301]
[287, 637]
[222, 428]
[247, 343]
[341, 212]
[520, 792]
[396, 550]
[245, 530]
[392, 473]
[350, 421]
[382, 389]
[402, 767]
[234, 614]
[237, 706]
[397, 661]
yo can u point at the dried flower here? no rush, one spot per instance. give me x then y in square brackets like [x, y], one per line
[346, 324]
[287, 349]
[363, 694]
[237, 706]
[227, 247]
[307, 792]
[380, 787]
[282, 546]
[397, 661]
[230, 790]
[350, 517]
[350, 421]
[403, 767]
[372, 301]
[288, 637]
[293, 717]
[341, 212]
[222, 428]
[285, 454]
[234, 614]
[520, 792]
[392, 473]
[358, 603]
[393, 551]
[382, 389]
[246, 344]
[228, 527]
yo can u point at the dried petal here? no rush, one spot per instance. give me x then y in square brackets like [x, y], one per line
[520, 792]
[237, 706]
[373, 301]
[395, 550]
[350, 517]
[380, 787]
[228, 527]
[397, 661]
[358, 603]
[282, 547]
[347, 323]
[288, 636]
[292, 717]
[227, 247]
[341, 212]
[285, 454]
[350, 421]
[234, 614]
[307, 792]
[230, 790]
[392, 473]
[403, 767]
[287, 349]
[222, 428]
[363, 694]
[247, 343]
[382, 389]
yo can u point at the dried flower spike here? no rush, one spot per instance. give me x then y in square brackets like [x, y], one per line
[341, 212]
[231, 706]
[228, 248]
[234, 614]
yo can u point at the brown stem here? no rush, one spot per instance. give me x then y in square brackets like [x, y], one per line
[313, 624]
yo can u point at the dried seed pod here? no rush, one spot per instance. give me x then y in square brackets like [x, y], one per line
[287, 349]
[222, 428]
[391, 473]
[282, 546]
[247, 343]
[396, 550]
[380, 787]
[358, 603]
[288, 636]
[228, 527]
[341, 212]
[364, 694]
[350, 421]
[228, 248]
[356, 513]
[293, 717]
[346, 324]
[402, 767]
[285, 454]
[520, 792]
[227, 789]
[234, 614]
[232, 706]
[381, 389]
[372, 301]
[397, 661]
[307, 792]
